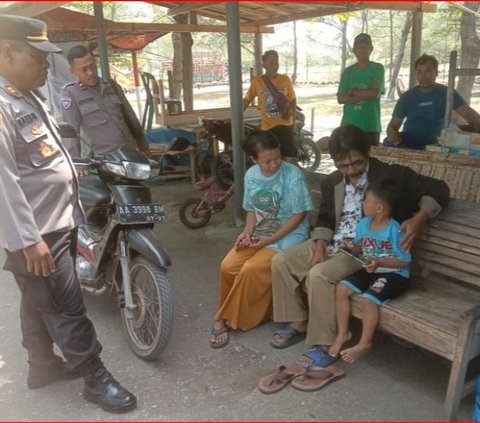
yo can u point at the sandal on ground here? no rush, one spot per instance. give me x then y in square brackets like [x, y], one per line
[319, 358]
[216, 333]
[288, 336]
[314, 379]
[274, 382]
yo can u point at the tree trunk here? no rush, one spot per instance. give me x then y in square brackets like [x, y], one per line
[344, 25]
[390, 67]
[399, 58]
[295, 53]
[364, 14]
[470, 50]
[182, 65]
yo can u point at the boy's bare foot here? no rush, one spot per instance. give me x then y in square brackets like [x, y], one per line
[351, 354]
[338, 343]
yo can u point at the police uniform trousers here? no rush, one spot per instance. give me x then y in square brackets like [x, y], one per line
[52, 308]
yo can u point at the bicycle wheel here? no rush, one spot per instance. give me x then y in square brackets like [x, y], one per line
[194, 213]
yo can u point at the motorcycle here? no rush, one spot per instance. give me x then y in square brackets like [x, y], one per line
[117, 250]
[220, 165]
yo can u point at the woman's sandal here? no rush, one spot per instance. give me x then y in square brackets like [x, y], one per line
[216, 333]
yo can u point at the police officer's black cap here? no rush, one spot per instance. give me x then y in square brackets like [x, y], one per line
[31, 31]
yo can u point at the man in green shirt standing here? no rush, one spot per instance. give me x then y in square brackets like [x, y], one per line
[360, 88]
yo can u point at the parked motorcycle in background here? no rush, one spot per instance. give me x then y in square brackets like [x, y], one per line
[220, 164]
[117, 251]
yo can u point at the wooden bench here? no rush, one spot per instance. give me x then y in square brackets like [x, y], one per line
[441, 310]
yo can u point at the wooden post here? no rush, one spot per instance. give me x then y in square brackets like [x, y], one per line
[136, 79]
[101, 40]
[235, 75]
[417, 20]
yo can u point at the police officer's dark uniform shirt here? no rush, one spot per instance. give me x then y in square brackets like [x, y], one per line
[38, 180]
[98, 111]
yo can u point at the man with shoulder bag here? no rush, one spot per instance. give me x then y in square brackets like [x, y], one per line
[277, 103]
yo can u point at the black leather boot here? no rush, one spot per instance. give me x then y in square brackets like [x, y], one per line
[45, 368]
[102, 389]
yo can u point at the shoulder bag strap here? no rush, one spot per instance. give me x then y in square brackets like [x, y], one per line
[269, 84]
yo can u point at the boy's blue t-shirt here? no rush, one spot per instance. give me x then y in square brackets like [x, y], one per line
[425, 111]
[382, 243]
[274, 199]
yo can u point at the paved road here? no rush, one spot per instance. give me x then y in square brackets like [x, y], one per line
[193, 382]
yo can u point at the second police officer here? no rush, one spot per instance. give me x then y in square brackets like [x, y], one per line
[99, 108]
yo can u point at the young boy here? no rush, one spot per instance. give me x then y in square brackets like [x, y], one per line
[360, 88]
[385, 274]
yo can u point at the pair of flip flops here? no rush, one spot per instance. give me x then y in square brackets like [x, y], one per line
[286, 336]
[302, 376]
[304, 379]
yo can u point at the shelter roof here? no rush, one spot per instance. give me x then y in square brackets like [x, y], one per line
[274, 12]
[67, 25]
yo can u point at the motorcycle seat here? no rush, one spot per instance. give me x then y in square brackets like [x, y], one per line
[94, 192]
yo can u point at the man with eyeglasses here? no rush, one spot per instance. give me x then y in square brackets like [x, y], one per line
[38, 219]
[316, 266]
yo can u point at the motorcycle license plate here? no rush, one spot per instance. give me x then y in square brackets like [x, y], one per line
[141, 213]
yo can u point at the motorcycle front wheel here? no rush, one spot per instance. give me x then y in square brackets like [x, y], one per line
[194, 213]
[148, 330]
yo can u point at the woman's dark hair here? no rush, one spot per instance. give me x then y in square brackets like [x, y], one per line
[77, 52]
[258, 141]
[387, 190]
[345, 139]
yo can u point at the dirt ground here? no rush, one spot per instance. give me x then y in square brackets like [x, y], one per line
[192, 382]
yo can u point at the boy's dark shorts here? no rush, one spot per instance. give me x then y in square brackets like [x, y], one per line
[376, 287]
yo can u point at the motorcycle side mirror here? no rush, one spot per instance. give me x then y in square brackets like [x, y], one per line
[66, 130]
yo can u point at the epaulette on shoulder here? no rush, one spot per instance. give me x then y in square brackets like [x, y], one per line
[69, 84]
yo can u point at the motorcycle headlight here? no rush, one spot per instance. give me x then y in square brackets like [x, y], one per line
[139, 171]
[115, 168]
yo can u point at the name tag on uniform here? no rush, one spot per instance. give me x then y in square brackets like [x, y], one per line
[25, 120]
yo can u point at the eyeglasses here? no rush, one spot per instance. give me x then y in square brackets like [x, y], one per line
[355, 163]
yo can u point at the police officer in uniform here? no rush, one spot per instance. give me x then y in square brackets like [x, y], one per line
[38, 220]
[99, 108]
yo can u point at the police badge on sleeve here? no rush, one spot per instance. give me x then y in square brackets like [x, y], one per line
[66, 102]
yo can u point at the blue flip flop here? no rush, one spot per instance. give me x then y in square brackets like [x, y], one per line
[289, 335]
[319, 357]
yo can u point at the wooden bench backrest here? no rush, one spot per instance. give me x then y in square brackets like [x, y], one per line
[461, 173]
[449, 247]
